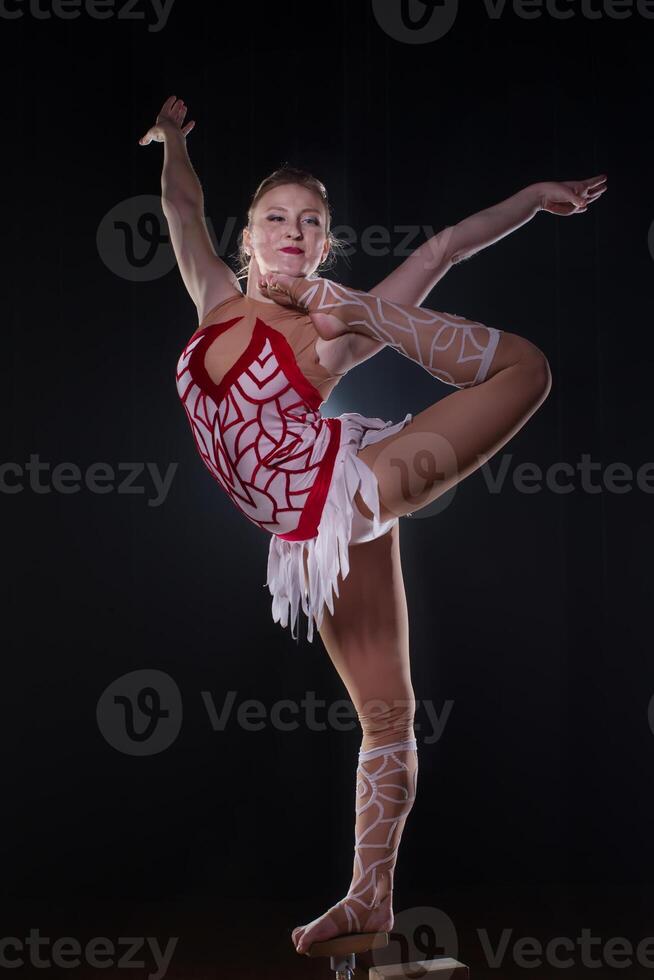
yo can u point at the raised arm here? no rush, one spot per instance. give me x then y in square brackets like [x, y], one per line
[207, 278]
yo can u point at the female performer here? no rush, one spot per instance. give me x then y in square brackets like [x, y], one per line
[329, 491]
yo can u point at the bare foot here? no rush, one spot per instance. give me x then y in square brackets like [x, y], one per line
[348, 915]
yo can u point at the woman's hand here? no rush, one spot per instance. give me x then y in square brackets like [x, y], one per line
[284, 289]
[288, 290]
[275, 285]
[171, 118]
[264, 282]
[571, 196]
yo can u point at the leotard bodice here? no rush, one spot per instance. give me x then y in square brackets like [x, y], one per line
[251, 384]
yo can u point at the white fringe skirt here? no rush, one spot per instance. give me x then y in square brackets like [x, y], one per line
[341, 524]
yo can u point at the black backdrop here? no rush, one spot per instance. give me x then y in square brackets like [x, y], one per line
[529, 608]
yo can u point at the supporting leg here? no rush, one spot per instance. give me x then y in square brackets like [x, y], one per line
[367, 640]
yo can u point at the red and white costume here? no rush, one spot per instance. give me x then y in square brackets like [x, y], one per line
[287, 468]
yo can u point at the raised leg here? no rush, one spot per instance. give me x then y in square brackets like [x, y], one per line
[451, 348]
[457, 434]
[503, 379]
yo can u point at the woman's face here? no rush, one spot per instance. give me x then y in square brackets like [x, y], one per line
[287, 233]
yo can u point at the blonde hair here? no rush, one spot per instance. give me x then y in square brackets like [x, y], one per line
[290, 175]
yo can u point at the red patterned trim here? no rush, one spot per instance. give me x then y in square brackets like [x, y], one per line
[311, 397]
[288, 362]
[312, 511]
[261, 332]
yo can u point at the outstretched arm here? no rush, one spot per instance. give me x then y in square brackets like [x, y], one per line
[414, 279]
[456, 350]
[489, 226]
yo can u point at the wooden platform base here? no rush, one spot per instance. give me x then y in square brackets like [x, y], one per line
[355, 942]
[443, 968]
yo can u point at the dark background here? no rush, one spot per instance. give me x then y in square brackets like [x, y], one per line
[530, 612]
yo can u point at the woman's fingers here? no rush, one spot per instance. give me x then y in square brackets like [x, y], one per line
[574, 191]
[591, 198]
[269, 283]
[279, 287]
[574, 197]
[168, 104]
[590, 188]
[178, 112]
[172, 111]
[275, 293]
